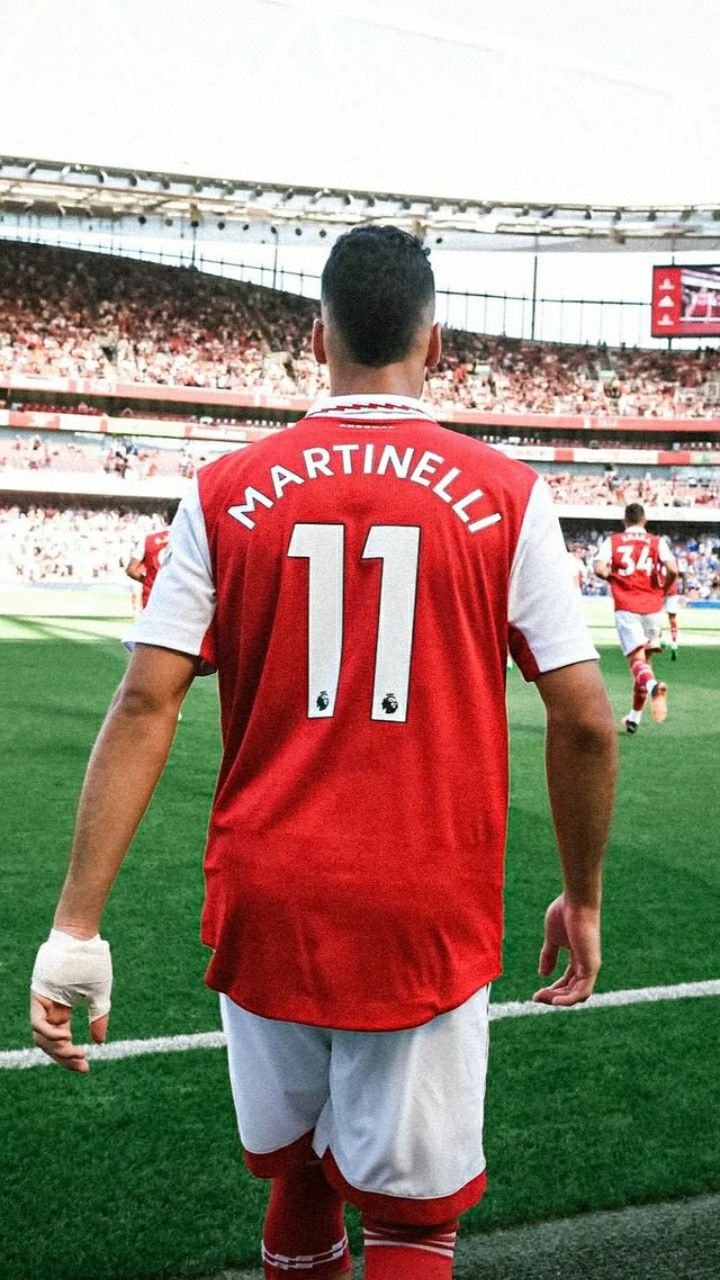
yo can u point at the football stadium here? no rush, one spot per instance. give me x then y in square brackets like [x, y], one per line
[167, 206]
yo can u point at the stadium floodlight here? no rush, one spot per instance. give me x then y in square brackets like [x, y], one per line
[29, 171]
[102, 176]
[66, 171]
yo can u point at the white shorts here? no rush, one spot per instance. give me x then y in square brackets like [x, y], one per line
[395, 1116]
[638, 629]
[671, 604]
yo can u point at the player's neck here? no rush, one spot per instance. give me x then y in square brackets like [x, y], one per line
[392, 380]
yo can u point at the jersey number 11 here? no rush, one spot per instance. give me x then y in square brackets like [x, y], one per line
[323, 546]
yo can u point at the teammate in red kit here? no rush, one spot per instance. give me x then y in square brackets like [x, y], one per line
[356, 582]
[147, 560]
[640, 568]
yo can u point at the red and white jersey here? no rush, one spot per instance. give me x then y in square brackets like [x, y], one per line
[635, 558]
[355, 580]
[151, 555]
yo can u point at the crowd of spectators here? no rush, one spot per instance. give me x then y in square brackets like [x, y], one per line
[69, 544]
[130, 460]
[79, 315]
[114, 456]
[611, 489]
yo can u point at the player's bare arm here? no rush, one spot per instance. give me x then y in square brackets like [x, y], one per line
[126, 763]
[136, 570]
[580, 744]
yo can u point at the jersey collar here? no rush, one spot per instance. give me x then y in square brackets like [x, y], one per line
[379, 408]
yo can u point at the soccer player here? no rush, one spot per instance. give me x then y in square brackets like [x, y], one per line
[640, 568]
[671, 609]
[355, 581]
[148, 558]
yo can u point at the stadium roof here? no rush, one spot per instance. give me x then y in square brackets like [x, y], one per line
[561, 123]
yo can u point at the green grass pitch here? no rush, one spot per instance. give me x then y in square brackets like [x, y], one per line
[136, 1171]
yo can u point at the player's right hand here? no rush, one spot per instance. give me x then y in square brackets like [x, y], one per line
[577, 930]
[69, 971]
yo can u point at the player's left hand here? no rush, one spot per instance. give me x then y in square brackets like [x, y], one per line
[69, 971]
[577, 930]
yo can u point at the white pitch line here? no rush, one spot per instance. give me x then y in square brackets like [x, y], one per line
[21, 1059]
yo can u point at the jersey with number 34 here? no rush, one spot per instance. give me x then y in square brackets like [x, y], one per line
[356, 580]
[636, 558]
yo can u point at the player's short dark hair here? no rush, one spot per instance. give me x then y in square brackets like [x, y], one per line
[634, 513]
[378, 286]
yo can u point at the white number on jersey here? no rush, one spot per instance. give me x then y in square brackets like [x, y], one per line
[643, 564]
[323, 546]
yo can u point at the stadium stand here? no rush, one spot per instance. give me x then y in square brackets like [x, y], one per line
[76, 544]
[126, 458]
[119, 378]
[81, 315]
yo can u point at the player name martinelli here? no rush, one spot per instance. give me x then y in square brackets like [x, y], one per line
[423, 468]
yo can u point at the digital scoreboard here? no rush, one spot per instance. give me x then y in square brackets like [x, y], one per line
[686, 302]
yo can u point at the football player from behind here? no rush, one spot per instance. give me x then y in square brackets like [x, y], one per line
[641, 569]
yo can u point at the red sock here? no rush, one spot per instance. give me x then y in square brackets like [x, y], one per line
[304, 1232]
[673, 627]
[642, 674]
[639, 698]
[408, 1253]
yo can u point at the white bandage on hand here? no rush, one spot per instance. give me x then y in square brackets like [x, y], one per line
[74, 971]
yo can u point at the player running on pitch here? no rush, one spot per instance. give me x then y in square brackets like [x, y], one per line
[146, 561]
[640, 568]
[355, 581]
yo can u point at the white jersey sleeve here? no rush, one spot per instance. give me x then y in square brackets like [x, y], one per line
[547, 627]
[181, 607]
[604, 551]
[664, 550]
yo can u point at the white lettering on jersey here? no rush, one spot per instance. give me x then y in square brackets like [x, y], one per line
[460, 508]
[281, 478]
[441, 488]
[425, 468]
[318, 462]
[242, 511]
[346, 450]
[391, 457]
